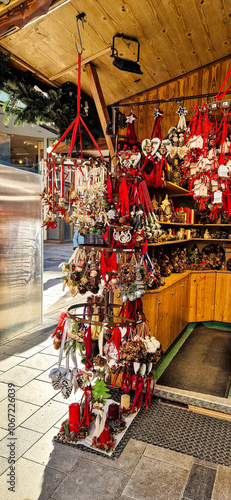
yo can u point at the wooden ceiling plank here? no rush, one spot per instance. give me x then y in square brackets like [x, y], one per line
[135, 29]
[100, 105]
[163, 28]
[83, 62]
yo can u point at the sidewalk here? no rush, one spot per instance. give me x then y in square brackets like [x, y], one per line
[54, 298]
[46, 470]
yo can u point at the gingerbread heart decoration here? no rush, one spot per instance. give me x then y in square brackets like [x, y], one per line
[150, 147]
[173, 151]
[182, 151]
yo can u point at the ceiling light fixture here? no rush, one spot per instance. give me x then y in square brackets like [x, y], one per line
[126, 64]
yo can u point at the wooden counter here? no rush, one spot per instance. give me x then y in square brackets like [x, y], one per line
[187, 297]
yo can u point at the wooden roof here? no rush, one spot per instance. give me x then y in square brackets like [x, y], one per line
[175, 37]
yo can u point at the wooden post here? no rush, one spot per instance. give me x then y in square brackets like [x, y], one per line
[100, 106]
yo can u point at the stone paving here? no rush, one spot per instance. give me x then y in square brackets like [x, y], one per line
[46, 470]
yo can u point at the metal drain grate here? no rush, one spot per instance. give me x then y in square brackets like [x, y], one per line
[203, 437]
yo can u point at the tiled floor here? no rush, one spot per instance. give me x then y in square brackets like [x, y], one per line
[46, 470]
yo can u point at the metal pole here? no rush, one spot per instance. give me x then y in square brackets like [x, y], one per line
[160, 101]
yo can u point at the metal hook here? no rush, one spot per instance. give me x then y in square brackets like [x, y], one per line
[80, 17]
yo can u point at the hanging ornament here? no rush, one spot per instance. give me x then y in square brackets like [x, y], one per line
[156, 131]
[131, 136]
[182, 112]
[217, 197]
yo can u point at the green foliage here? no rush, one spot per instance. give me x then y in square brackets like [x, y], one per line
[100, 391]
[52, 107]
[70, 344]
[5, 71]
[66, 429]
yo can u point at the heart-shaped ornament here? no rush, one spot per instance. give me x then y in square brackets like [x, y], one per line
[150, 147]
[182, 151]
[173, 150]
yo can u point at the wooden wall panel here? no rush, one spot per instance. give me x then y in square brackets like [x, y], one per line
[202, 296]
[150, 310]
[204, 80]
[222, 298]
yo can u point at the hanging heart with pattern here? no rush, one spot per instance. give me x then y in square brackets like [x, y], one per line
[150, 147]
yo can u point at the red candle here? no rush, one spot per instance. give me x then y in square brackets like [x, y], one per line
[73, 427]
[105, 435]
[74, 413]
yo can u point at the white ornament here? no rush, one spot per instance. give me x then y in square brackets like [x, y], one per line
[156, 113]
[149, 366]
[223, 171]
[182, 111]
[217, 197]
[136, 366]
[130, 118]
[143, 369]
[125, 236]
[116, 235]
[111, 214]
[150, 147]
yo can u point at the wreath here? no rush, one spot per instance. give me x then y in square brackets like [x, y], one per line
[126, 274]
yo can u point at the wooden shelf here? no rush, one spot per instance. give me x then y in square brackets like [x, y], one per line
[211, 239]
[188, 224]
[170, 242]
[173, 189]
[182, 224]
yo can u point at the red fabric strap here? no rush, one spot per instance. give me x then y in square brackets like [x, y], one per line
[76, 122]
[220, 93]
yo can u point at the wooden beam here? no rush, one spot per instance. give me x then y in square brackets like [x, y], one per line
[100, 106]
[30, 68]
[23, 14]
[83, 62]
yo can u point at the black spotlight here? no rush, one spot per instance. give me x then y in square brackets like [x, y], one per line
[126, 64]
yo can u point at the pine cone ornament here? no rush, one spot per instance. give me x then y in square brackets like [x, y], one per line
[56, 375]
[66, 387]
[55, 383]
[80, 382]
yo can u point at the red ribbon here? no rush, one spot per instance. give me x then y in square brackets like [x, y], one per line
[149, 392]
[138, 399]
[220, 93]
[123, 200]
[87, 341]
[116, 338]
[156, 131]
[131, 136]
[109, 190]
[61, 323]
[194, 125]
[107, 264]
